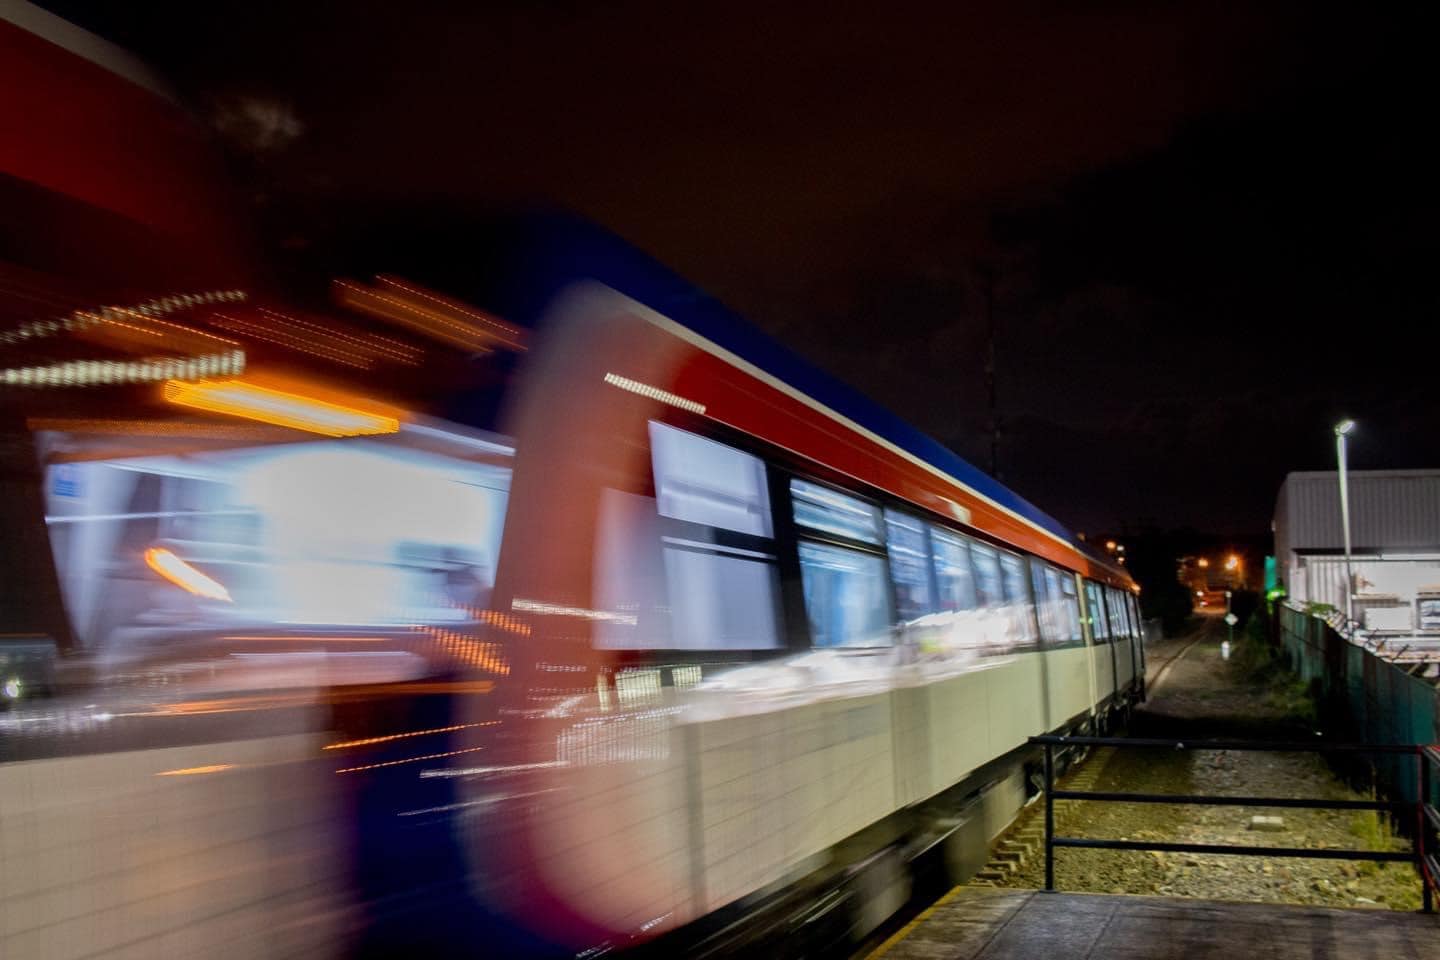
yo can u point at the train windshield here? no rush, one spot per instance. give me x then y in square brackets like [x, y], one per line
[173, 548]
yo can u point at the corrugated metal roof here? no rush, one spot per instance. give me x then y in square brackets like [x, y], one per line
[1389, 510]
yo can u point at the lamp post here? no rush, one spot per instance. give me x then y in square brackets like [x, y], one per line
[1343, 429]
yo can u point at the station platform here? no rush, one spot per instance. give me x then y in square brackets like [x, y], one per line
[985, 923]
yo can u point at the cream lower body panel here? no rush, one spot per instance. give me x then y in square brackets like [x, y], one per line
[117, 856]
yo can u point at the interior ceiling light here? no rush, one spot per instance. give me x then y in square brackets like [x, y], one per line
[240, 398]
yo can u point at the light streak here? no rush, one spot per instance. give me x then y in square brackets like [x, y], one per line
[558, 610]
[195, 771]
[84, 373]
[401, 736]
[654, 393]
[184, 576]
[504, 768]
[396, 763]
[242, 399]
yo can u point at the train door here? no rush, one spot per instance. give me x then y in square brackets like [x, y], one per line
[1121, 637]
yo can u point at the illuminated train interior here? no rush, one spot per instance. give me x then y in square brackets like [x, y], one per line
[624, 671]
[530, 603]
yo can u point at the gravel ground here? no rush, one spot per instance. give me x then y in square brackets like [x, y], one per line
[1203, 696]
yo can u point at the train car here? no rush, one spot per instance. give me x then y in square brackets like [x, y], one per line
[614, 625]
[806, 642]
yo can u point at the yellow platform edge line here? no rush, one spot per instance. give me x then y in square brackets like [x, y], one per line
[906, 930]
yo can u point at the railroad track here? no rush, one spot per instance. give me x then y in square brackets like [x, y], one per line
[1025, 838]
[1152, 686]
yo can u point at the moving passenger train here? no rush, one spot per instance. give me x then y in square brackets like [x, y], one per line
[533, 606]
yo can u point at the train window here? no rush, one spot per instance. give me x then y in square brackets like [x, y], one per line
[1058, 606]
[1112, 612]
[1095, 608]
[701, 481]
[823, 510]
[694, 567]
[955, 584]
[720, 600]
[846, 596]
[1013, 572]
[672, 587]
[910, 572]
[1069, 606]
[1045, 610]
[1120, 613]
[988, 588]
[1017, 598]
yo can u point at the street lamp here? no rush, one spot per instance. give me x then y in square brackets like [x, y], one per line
[1343, 429]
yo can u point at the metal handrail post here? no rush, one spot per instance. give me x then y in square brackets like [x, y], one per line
[1422, 826]
[1050, 817]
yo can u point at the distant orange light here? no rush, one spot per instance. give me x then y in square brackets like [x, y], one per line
[1203, 562]
[183, 575]
[240, 398]
[1110, 545]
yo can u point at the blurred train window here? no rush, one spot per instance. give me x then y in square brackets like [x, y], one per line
[827, 511]
[721, 601]
[692, 568]
[705, 482]
[846, 585]
[846, 596]
[1017, 599]
[909, 566]
[1120, 614]
[1069, 605]
[1013, 571]
[954, 580]
[1045, 605]
[1095, 608]
[323, 534]
[988, 588]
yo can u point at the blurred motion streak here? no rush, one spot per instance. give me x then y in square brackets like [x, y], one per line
[301, 640]
[133, 330]
[195, 771]
[654, 393]
[83, 373]
[559, 610]
[429, 313]
[499, 768]
[241, 399]
[396, 763]
[370, 741]
[183, 575]
[80, 319]
[469, 650]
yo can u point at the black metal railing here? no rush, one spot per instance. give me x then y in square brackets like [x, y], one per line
[1427, 816]
[1427, 826]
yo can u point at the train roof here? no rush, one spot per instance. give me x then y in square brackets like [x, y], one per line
[556, 252]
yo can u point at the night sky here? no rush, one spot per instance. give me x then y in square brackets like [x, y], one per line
[1203, 235]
